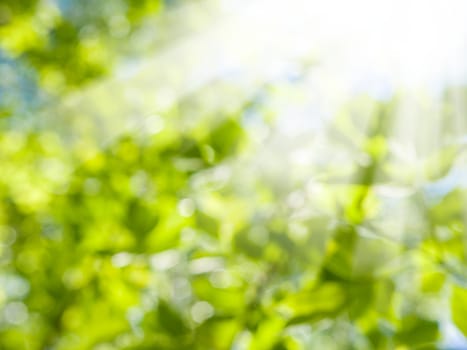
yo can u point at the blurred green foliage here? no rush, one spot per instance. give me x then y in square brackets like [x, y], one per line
[70, 42]
[171, 238]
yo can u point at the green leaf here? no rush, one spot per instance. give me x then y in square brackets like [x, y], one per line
[459, 308]
[326, 300]
[170, 319]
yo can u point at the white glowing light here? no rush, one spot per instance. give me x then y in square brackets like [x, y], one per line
[201, 311]
[186, 207]
[359, 47]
